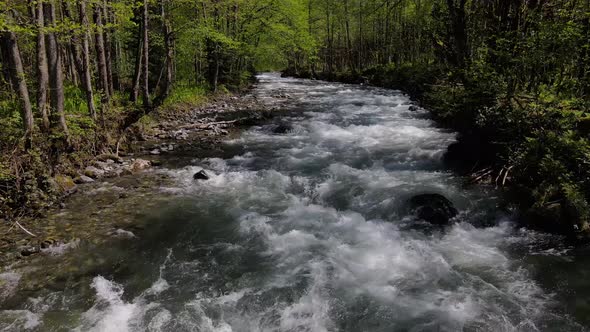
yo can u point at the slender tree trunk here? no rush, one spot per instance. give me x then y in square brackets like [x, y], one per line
[86, 74]
[349, 58]
[169, 46]
[360, 50]
[216, 75]
[20, 84]
[459, 28]
[100, 54]
[108, 47]
[75, 62]
[42, 69]
[138, 68]
[56, 75]
[118, 68]
[146, 57]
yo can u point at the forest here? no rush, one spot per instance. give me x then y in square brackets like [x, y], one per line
[512, 77]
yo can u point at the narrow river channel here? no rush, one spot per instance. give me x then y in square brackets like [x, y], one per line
[302, 230]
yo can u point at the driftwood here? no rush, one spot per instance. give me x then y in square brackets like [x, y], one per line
[506, 175]
[209, 125]
[476, 177]
[24, 229]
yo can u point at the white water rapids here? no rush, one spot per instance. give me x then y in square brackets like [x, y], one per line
[302, 231]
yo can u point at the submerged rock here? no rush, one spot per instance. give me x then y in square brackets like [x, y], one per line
[202, 175]
[433, 208]
[29, 250]
[282, 129]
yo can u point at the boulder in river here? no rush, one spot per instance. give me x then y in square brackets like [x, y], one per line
[282, 128]
[201, 175]
[139, 165]
[433, 208]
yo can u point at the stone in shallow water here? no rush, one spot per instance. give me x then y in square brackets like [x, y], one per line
[282, 129]
[202, 175]
[433, 208]
[139, 165]
[93, 172]
[83, 179]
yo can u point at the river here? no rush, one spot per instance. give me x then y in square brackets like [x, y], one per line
[301, 230]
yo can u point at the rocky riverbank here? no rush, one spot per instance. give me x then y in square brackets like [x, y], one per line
[100, 199]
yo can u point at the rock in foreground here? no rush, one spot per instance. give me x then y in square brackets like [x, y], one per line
[202, 175]
[433, 208]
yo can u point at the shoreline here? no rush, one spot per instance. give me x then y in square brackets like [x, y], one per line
[114, 182]
[475, 156]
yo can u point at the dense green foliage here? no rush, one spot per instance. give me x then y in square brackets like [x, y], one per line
[49, 47]
[511, 76]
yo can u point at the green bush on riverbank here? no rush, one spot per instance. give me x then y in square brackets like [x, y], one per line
[513, 77]
[538, 145]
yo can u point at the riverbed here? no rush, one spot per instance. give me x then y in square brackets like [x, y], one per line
[301, 228]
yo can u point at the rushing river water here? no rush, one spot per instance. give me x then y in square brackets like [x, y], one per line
[302, 231]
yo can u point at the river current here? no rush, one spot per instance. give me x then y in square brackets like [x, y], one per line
[302, 230]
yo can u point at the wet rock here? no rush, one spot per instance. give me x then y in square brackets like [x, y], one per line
[106, 157]
[83, 179]
[93, 172]
[433, 208]
[413, 108]
[282, 128]
[139, 165]
[28, 250]
[202, 175]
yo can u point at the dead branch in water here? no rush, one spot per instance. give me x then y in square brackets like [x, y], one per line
[24, 229]
[476, 177]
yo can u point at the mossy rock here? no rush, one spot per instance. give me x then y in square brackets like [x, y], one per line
[65, 183]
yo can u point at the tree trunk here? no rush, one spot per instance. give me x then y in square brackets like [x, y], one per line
[56, 83]
[169, 46]
[107, 48]
[100, 54]
[42, 69]
[146, 56]
[86, 74]
[20, 84]
[137, 76]
[75, 63]
[459, 29]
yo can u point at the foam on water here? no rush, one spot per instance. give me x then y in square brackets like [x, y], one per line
[304, 232]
